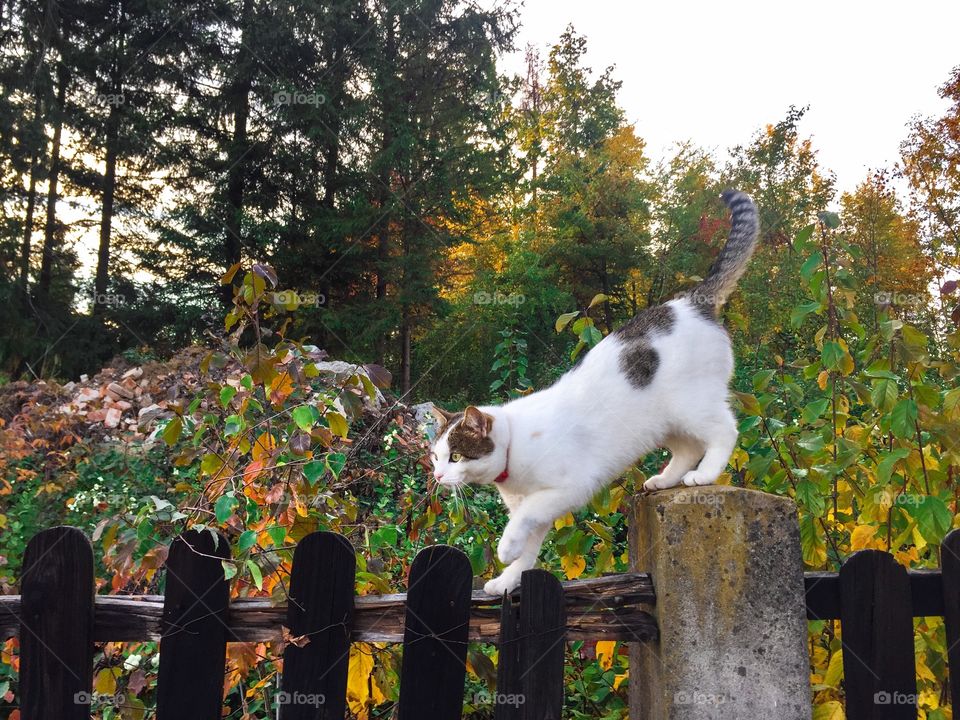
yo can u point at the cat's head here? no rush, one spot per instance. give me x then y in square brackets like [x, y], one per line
[468, 448]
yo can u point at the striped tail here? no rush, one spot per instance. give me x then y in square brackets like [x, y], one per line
[732, 261]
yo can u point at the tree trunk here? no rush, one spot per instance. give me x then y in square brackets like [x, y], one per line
[106, 215]
[50, 230]
[383, 191]
[236, 174]
[28, 225]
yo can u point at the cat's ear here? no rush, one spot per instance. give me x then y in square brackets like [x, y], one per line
[440, 414]
[476, 421]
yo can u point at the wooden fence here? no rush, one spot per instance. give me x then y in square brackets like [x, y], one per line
[58, 620]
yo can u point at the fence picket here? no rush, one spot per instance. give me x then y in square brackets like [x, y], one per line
[877, 628]
[508, 662]
[435, 635]
[950, 568]
[542, 629]
[56, 646]
[193, 646]
[320, 611]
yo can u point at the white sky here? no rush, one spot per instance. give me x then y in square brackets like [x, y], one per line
[715, 72]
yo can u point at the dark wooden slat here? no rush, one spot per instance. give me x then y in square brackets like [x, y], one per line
[950, 566]
[435, 638]
[877, 622]
[604, 608]
[193, 645]
[823, 594]
[542, 623]
[320, 610]
[508, 664]
[56, 646]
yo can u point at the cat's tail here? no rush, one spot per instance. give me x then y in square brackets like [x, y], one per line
[732, 261]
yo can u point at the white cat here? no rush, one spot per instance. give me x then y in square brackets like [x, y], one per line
[659, 381]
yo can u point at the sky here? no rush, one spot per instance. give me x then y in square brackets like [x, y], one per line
[716, 72]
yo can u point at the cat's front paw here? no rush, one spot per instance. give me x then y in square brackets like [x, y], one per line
[698, 477]
[499, 585]
[511, 546]
[658, 482]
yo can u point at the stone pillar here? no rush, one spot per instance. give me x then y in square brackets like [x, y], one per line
[728, 574]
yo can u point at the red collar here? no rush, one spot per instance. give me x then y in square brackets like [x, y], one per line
[505, 474]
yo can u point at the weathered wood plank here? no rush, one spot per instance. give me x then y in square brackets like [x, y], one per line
[950, 564]
[823, 594]
[877, 620]
[505, 701]
[320, 611]
[56, 648]
[605, 608]
[542, 621]
[434, 664]
[193, 646]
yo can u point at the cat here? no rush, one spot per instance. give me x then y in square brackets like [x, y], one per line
[660, 380]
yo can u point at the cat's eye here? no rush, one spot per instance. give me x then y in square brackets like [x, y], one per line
[456, 457]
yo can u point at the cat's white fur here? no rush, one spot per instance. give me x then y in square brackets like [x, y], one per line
[568, 441]
[562, 444]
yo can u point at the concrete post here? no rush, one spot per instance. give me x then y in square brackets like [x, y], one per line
[728, 574]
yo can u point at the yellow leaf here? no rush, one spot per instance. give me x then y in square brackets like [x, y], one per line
[834, 672]
[362, 689]
[605, 653]
[105, 681]
[573, 565]
[831, 710]
[863, 537]
[563, 521]
[822, 379]
[338, 424]
[618, 679]
[263, 446]
[907, 557]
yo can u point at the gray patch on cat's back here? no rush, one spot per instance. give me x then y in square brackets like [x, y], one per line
[639, 361]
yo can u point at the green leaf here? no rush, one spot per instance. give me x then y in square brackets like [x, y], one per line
[598, 298]
[171, 433]
[884, 394]
[830, 219]
[800, 312]
[903, 419]
[246, 382]
[810, 266]
[314, 470]
[832, 355]
[255, 573]
[812, 545]
[224, 507]
[305, 416]
[246, 540]
[590, 336]
[278, 534]
[810, 497]
[229, 569]
[814, 410]
[749, 403]
[933, 517]
[565, 319]
[801, 239]
[227, 393]
[336, 461]
[885, 466]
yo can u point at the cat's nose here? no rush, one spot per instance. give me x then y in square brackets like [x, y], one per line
[438, 475]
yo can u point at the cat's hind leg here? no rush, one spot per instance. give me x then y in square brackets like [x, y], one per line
[720, 438]
[685, 453]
